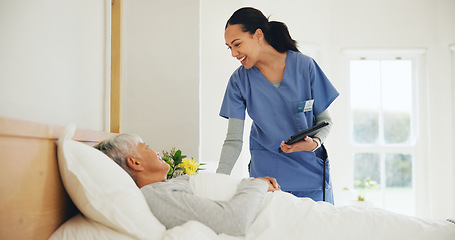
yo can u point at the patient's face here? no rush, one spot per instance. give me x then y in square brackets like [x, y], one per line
[152, 162]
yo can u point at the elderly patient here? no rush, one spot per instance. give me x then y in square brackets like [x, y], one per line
[173, 202]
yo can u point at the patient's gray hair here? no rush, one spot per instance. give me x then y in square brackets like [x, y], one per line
[119, 148]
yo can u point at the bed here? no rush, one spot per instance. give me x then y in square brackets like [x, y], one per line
[33, 201]
[54, 185]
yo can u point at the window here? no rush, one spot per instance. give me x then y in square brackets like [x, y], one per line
[383, 122]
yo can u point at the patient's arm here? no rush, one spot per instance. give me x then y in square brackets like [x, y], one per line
[174, 204]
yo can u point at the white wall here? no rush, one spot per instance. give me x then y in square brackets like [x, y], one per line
[161, 73]
[452, 48]
[53, 66]
[216, 67]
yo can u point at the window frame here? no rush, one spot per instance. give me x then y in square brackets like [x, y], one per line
[419, 127]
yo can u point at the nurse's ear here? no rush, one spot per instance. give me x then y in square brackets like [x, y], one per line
[259, 35]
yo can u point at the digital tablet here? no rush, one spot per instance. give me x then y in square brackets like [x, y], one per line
[307, 132]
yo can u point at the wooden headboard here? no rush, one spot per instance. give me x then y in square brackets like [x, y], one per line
[33, 201]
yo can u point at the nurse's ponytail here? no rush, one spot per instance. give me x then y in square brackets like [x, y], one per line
[278, 36]
[275, 33]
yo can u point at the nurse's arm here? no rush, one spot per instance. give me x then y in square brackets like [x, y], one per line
[232, 146]
[323, 132]
[309, 144]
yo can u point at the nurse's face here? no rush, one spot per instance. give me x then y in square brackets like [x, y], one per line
[243, 45]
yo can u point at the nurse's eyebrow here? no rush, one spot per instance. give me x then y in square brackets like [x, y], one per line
[233, 41]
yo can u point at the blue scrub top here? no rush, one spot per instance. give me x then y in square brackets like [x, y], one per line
[278, 113]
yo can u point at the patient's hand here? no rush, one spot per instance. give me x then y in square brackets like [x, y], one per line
[273, 184]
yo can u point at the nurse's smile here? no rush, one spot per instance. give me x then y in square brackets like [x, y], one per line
[242, 60]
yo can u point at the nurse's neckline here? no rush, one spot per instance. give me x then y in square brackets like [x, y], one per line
[270, 75]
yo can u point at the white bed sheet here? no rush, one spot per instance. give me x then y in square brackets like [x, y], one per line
[283, 216]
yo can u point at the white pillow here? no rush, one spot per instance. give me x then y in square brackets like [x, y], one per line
[103, 191]
[79, 227]
[214, 186]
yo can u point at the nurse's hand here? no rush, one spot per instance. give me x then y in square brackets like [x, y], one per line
[306, 145]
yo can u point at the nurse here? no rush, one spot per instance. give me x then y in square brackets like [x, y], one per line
[284, 92]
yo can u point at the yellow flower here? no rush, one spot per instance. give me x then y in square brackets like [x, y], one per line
[190, 166]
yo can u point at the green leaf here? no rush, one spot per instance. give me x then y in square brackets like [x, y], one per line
[177, 154]
[177, 161]
[168, 162]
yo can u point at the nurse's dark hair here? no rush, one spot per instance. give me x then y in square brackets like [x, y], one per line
[275, 33]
